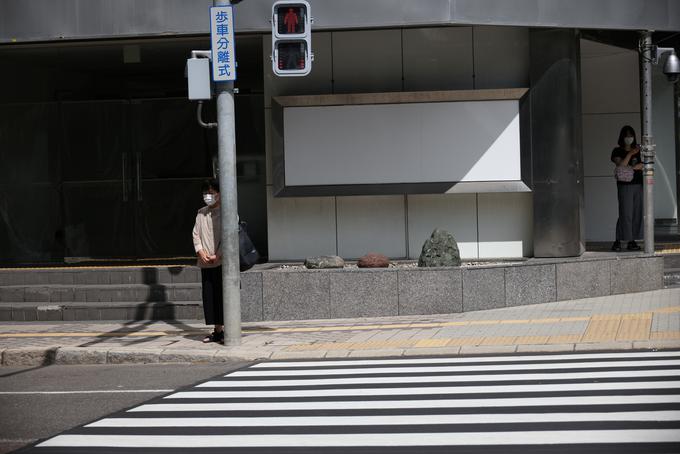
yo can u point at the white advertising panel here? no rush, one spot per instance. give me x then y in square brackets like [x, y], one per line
[461, 141]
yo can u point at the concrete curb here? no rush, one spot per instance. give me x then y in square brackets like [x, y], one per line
[45, 356]
[29, 356]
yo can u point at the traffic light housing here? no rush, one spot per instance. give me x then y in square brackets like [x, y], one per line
[291, 38]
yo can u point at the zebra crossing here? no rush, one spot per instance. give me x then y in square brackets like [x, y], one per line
[553, 403]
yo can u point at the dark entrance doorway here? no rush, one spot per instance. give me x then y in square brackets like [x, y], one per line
[131, 176]
[101, 155]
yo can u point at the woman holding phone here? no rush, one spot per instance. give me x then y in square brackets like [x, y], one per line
[626, 156]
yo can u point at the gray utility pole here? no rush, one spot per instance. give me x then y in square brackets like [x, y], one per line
[647, 139]
[226, 144]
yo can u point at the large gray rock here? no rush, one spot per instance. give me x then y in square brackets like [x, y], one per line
[324, 261]
[440, 249]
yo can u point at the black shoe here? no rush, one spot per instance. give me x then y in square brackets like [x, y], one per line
[616, 247]
[214, 337]
[633, 246]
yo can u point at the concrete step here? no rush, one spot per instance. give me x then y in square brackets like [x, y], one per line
[671, 261]
[77, 293]
[671, 277]
[121, 311]
[148, 275]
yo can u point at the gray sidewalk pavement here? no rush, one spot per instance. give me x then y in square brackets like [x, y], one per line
[649, 320]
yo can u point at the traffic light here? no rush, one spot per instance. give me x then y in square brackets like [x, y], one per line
[291, 38]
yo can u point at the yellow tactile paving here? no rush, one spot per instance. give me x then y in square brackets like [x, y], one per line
[564, 339]
[637, 330]
[456, 341]
[594, 329]
[291, 330]
[574, 319]
[602, 330]
[426, 325]
[634, 329]
[396, 325]
[377, 345]
[668, 310]
[597, 317]
[665, 335]
[498, 340]
[531, 340]
[545, 320]
[334, 346]
[638, 316]
[340, 346]
[431, 343]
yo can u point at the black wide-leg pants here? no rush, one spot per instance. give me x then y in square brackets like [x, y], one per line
[211, 280]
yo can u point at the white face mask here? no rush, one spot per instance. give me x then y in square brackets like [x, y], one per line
[209, 199]
[628, 140]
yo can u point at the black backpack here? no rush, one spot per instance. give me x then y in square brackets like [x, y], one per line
[247, 254]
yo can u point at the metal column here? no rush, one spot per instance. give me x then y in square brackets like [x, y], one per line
[556, 143]
[647, 139]
[231, 278]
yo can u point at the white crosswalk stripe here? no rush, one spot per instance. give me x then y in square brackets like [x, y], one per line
[586, 403]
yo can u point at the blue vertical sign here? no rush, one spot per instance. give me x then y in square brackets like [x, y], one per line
[222, 43]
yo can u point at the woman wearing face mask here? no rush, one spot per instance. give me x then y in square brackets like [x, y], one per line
[206, 235]
[629, 224]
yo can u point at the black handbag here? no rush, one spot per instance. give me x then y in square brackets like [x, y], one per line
[247, 254]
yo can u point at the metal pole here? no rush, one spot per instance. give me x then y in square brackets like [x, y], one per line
[228, 209]
[647, 139]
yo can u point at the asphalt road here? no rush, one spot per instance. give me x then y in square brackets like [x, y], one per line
[39, 402]
[559, 403]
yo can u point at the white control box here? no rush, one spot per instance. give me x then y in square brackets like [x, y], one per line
[198, 79]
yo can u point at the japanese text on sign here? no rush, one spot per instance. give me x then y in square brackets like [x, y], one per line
[222, 43]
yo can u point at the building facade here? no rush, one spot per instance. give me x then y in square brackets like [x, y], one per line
[102, 157]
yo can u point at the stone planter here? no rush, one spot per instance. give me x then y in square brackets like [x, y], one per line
[343, 293]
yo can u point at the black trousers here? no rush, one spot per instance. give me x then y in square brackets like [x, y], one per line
[211, 279]
[629, 225]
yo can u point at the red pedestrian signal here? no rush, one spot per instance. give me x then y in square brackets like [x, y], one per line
[291, 38]
[291, 20]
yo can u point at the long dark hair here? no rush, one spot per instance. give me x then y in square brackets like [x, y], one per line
[624, 132]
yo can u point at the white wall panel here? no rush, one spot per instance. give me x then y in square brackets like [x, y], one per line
[610, 80]
[601, 208]
[318, 81]
[300, 227]
[600, 134]
[371, 224]
[505, 225]
[371, 61]
[367, 61]
[438, 58]
[456, 214]
[268, 145]
[501, 57]
[402, 143]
